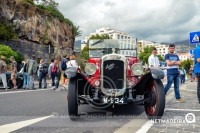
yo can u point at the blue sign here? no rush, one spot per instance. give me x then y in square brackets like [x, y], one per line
[194, 37]
[192, 51]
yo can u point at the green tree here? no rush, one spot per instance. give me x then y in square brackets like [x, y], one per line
[103, 36]
[8, 51]
[85, 53]
[143, 56]
[186, 64]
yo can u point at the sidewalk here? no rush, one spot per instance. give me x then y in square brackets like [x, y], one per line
[180, 117]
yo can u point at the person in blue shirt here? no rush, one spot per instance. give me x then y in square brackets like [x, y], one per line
[197, 69]
[173, 63]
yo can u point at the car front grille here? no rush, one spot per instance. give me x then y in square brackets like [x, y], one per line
[113, 74]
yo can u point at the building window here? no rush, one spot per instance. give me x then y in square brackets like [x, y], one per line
[122, 52]
[118, 36]
[121, 37]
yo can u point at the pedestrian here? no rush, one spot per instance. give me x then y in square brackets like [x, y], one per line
[32, 71]
[191, 73]
[72, 61]
[42, 71]
[50, 73]
[55, 74]
[64, 67]
[173, 63]
[3, 69]
[58, 71]
[153, 60]
[13, 72]
[197, 69]
[25, 75]
[182, 75]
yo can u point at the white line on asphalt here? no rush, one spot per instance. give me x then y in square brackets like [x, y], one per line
[13, 92]
[145, 127]
[190, 110]
[131, 125]
[18, 125]
[188, 90]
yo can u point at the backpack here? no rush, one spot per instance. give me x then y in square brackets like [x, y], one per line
[45, 68]
[64, 64]
[54, 69]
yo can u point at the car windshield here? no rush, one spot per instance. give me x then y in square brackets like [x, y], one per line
[100, 47]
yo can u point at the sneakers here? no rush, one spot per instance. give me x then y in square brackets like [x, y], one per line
[180, 100]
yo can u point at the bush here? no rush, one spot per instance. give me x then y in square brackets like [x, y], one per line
[8, 51]
[6, 32]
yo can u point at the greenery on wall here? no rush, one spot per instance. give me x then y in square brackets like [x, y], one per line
[8, 51]
[6, 32]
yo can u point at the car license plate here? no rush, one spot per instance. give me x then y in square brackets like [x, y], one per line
[112, 100]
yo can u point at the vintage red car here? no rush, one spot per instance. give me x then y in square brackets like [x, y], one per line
[111, 78]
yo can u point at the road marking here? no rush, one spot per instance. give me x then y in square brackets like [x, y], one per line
[145, 127]
[14, 92]
[18, 125]
[190, 110]
[127, 128]
[188, 90]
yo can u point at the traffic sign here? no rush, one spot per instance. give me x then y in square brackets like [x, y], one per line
[192, 51]
[194, 37]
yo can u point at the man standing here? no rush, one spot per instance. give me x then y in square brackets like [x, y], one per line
[197, 69]
[32, 71]
[153, 60]
[173, 63]
[3, 67]
[13, 71]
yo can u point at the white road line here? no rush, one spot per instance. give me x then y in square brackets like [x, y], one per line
[145, 127]
[18, 125]
[23, 91]
[190, 110]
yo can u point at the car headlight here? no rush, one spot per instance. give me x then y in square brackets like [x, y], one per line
[90, 68]
[137, 69]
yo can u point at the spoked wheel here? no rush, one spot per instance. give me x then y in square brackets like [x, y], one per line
[155, 105]
[72, 99]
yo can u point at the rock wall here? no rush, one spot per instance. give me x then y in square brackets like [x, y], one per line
[36, 29]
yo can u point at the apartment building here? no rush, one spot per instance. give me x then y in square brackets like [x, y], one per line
[126, 41]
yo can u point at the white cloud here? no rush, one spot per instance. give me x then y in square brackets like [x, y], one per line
[153, 20]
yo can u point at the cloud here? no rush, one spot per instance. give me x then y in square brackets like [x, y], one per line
[153, 20]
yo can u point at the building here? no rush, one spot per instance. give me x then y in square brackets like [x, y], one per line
[127, 43]
[161, 48]
[184, 56]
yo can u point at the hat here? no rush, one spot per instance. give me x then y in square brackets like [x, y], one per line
[3, 57]
[12, 58]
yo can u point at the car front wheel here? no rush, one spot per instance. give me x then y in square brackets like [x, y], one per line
[155, 105]
[72, 99]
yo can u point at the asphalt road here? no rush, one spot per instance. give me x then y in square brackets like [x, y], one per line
[21, 108]
[45, 111]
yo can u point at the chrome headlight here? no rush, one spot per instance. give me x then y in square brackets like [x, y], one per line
[137, 69]
[90, 68]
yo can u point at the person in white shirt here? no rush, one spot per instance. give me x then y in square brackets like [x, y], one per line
[72, 61]
[153, 60]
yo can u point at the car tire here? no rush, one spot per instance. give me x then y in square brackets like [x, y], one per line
[72, 99]
[155, 106]
[18, 81]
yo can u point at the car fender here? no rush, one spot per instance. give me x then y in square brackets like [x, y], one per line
[156, 73]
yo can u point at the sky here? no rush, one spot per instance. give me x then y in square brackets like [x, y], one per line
[151, 20]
